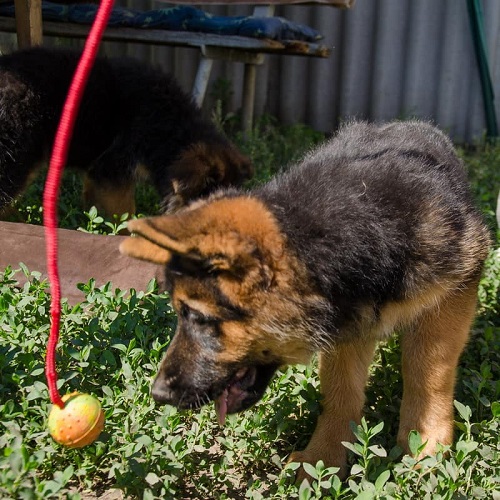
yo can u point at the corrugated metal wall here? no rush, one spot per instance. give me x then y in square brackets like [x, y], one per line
[390, 59]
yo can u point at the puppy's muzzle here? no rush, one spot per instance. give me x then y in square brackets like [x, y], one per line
[162, 392]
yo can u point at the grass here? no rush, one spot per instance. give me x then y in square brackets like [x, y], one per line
[112, 344]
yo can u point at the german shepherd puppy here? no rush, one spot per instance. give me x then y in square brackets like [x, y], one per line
[134, 121]
[373, 232]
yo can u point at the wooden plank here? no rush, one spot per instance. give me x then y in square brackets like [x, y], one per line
[179, 38]
[163, 37]
[26, 243]
[343, 4]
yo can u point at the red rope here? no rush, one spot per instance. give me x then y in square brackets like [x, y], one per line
[51, 191]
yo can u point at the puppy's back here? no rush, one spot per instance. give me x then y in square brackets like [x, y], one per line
[378, 212]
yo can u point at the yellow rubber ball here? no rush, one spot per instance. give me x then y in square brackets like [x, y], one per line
[79, 423]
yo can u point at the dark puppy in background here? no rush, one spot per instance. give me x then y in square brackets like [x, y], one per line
[134, 121]
[374, 232]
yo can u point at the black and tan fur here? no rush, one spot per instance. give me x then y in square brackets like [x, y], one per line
[134, 122]
[374, 232]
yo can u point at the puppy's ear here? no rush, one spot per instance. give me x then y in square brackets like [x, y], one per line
[237, 236]
[149, 240]
[141, 248]
[208, 246]
[201, 169]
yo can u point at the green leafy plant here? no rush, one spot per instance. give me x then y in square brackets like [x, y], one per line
[97, 225]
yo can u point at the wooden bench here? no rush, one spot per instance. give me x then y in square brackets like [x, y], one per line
[250, 51]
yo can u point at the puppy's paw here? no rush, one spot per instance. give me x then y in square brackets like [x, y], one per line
[313, 457]
[301, 457]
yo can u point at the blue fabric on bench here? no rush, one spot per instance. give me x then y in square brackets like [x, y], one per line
[183, 18]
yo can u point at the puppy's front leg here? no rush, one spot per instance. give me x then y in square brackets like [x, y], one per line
[343, 374]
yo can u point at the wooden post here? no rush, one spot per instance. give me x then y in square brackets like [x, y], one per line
[202, 78]
[251, 60]
[29, 22]
[248, 98]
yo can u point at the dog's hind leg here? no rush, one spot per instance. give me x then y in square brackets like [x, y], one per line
[431, 350]
[343, 375]
[110, 198]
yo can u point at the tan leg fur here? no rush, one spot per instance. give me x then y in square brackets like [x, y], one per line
[108, 199]
[430, 348]
[430, 351]
[343, 373]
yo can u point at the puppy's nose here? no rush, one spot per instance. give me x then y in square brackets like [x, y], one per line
[161, 392]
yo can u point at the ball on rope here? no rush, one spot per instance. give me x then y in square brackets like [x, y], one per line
[76, 419]
[79, 422]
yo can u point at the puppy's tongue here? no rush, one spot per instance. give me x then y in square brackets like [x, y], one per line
[221, 407]
[232, 396]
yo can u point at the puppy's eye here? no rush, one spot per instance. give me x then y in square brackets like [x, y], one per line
[189, 314]
[184, 311]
